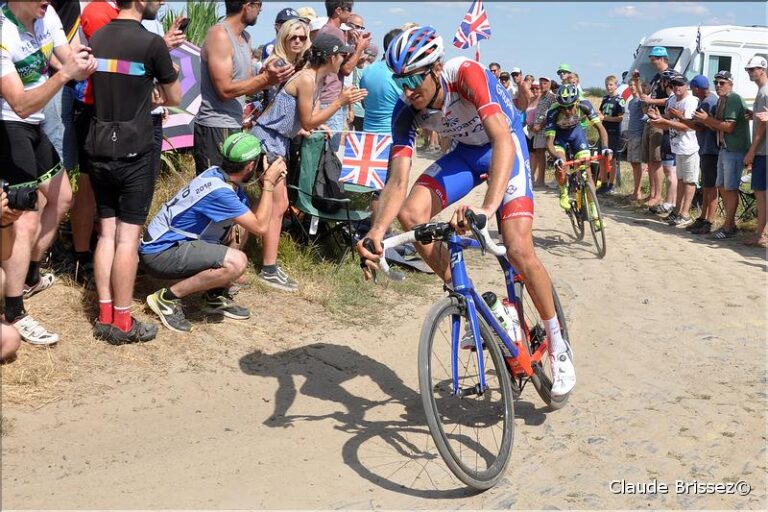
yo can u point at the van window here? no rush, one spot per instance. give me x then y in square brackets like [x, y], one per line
[718, 63]
[643, 63]
[695, 66]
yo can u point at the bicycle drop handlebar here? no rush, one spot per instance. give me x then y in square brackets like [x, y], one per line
[437, 231]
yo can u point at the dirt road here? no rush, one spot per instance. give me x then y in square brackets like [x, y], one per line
[670, 339]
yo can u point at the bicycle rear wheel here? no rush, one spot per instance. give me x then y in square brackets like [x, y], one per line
[595, 220]
[533, 325]
[473, 433]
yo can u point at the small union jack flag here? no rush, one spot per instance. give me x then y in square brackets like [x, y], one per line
[474, 27]
[364, 159]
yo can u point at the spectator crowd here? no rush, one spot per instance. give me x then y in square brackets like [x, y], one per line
[87, 90]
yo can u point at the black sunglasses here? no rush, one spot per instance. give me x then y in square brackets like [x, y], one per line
[721, 82]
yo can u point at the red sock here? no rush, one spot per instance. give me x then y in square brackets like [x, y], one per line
[122, 319]
[105, 311]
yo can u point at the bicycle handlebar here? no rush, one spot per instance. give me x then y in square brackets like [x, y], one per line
[425, 233]
[583, 160]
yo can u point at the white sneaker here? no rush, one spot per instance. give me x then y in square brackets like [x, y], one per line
[563, 373]
[34, 333]
[45, 282]
[467, 341]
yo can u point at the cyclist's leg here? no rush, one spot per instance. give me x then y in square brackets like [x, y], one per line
[517, 232]
[444, 182]
[561, 175]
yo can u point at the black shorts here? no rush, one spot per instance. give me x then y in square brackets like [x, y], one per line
[614, 143]
[207, 149]
[184, 260]
[27, 157]
[708, 165]
[124, 188]
[357, 123]
[666, 148]
[82, 121]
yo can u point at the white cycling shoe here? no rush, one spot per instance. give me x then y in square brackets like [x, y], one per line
[563, 373]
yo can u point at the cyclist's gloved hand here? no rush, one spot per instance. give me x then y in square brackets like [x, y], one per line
[607, 152]
[558, 163]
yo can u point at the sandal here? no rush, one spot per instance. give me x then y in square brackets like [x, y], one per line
[757, 242]
[724, 234]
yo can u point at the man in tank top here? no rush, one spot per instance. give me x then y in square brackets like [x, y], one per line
[226, 78]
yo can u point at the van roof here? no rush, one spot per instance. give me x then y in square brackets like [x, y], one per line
[683, 36]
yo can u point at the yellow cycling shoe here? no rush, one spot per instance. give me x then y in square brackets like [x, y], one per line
[565, 201]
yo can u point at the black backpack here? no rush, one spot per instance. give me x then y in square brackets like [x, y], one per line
[327, 182]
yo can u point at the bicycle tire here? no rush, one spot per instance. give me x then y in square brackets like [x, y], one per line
[577, 221]
[533, 325]
[597, 234]
[477, 478]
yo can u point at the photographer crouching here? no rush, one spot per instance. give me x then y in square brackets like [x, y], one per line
[10, 339]
[186, 240]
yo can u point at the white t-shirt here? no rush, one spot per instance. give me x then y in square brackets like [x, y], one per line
[28, 55]
[683, 143]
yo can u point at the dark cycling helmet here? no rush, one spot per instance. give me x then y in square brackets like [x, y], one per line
[669, 74]
[567, 95]
[416, 48]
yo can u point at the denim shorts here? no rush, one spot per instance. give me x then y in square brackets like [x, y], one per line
[52, 124]
[730, 165]
[337, 124]
[759, 173]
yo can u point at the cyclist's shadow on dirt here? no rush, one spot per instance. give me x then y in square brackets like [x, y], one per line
[401, 442]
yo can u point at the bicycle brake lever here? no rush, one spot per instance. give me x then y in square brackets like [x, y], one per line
[474, 221]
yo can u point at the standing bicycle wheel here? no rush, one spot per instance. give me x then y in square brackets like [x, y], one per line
[533, 325]
[594, 217]
[473, 432]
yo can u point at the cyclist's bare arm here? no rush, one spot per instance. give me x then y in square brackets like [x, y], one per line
[603, 134]
[551, 147]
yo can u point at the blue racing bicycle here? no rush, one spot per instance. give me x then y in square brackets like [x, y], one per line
[468, 392]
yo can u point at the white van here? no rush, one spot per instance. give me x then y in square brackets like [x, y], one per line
[705, 50]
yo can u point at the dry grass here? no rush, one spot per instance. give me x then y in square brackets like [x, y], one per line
[81, 365]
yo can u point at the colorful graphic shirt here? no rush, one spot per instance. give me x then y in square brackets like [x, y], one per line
[612, 106]
[27, 54]
[472, 94]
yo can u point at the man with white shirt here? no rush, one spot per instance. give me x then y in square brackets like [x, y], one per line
[685, 146]
[31, 34]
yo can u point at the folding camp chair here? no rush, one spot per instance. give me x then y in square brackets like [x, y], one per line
[342, 224]
[747, 206]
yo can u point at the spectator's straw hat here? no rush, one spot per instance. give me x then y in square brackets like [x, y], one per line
[318, 23]
[307, 12]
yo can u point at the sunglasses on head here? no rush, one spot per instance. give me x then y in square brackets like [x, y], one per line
[410, 81]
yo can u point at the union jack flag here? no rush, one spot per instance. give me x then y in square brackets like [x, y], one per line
[474, 27]
[364, 159]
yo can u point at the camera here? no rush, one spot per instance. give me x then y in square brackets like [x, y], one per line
[20, 198]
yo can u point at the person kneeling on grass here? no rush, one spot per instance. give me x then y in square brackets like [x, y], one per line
[185, 239]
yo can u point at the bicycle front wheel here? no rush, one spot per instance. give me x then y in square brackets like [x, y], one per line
[473, 432]
[533, 327]
[594, 217]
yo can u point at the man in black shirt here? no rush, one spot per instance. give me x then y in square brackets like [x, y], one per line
[652, 136]
[120, 141]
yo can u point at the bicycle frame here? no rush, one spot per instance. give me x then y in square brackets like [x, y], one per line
[463, 288]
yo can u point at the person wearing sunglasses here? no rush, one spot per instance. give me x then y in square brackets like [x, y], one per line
[733, 137]
[292, 110]
[283, 16]
[463, 101]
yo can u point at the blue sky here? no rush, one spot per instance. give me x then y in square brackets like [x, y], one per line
[596, 38]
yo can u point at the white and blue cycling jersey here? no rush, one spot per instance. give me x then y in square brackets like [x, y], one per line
[204, 210]
[472, 94]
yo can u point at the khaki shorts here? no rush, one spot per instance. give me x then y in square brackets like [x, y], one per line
[539, 140]
[634, 146]
[650, 150]
[688, 167]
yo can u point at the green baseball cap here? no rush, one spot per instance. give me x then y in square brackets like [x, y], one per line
[241, 147]
[564, 67]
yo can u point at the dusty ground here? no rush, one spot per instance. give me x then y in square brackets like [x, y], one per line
[670, 336]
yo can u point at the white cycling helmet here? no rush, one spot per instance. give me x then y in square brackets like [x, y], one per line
[413, 49]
